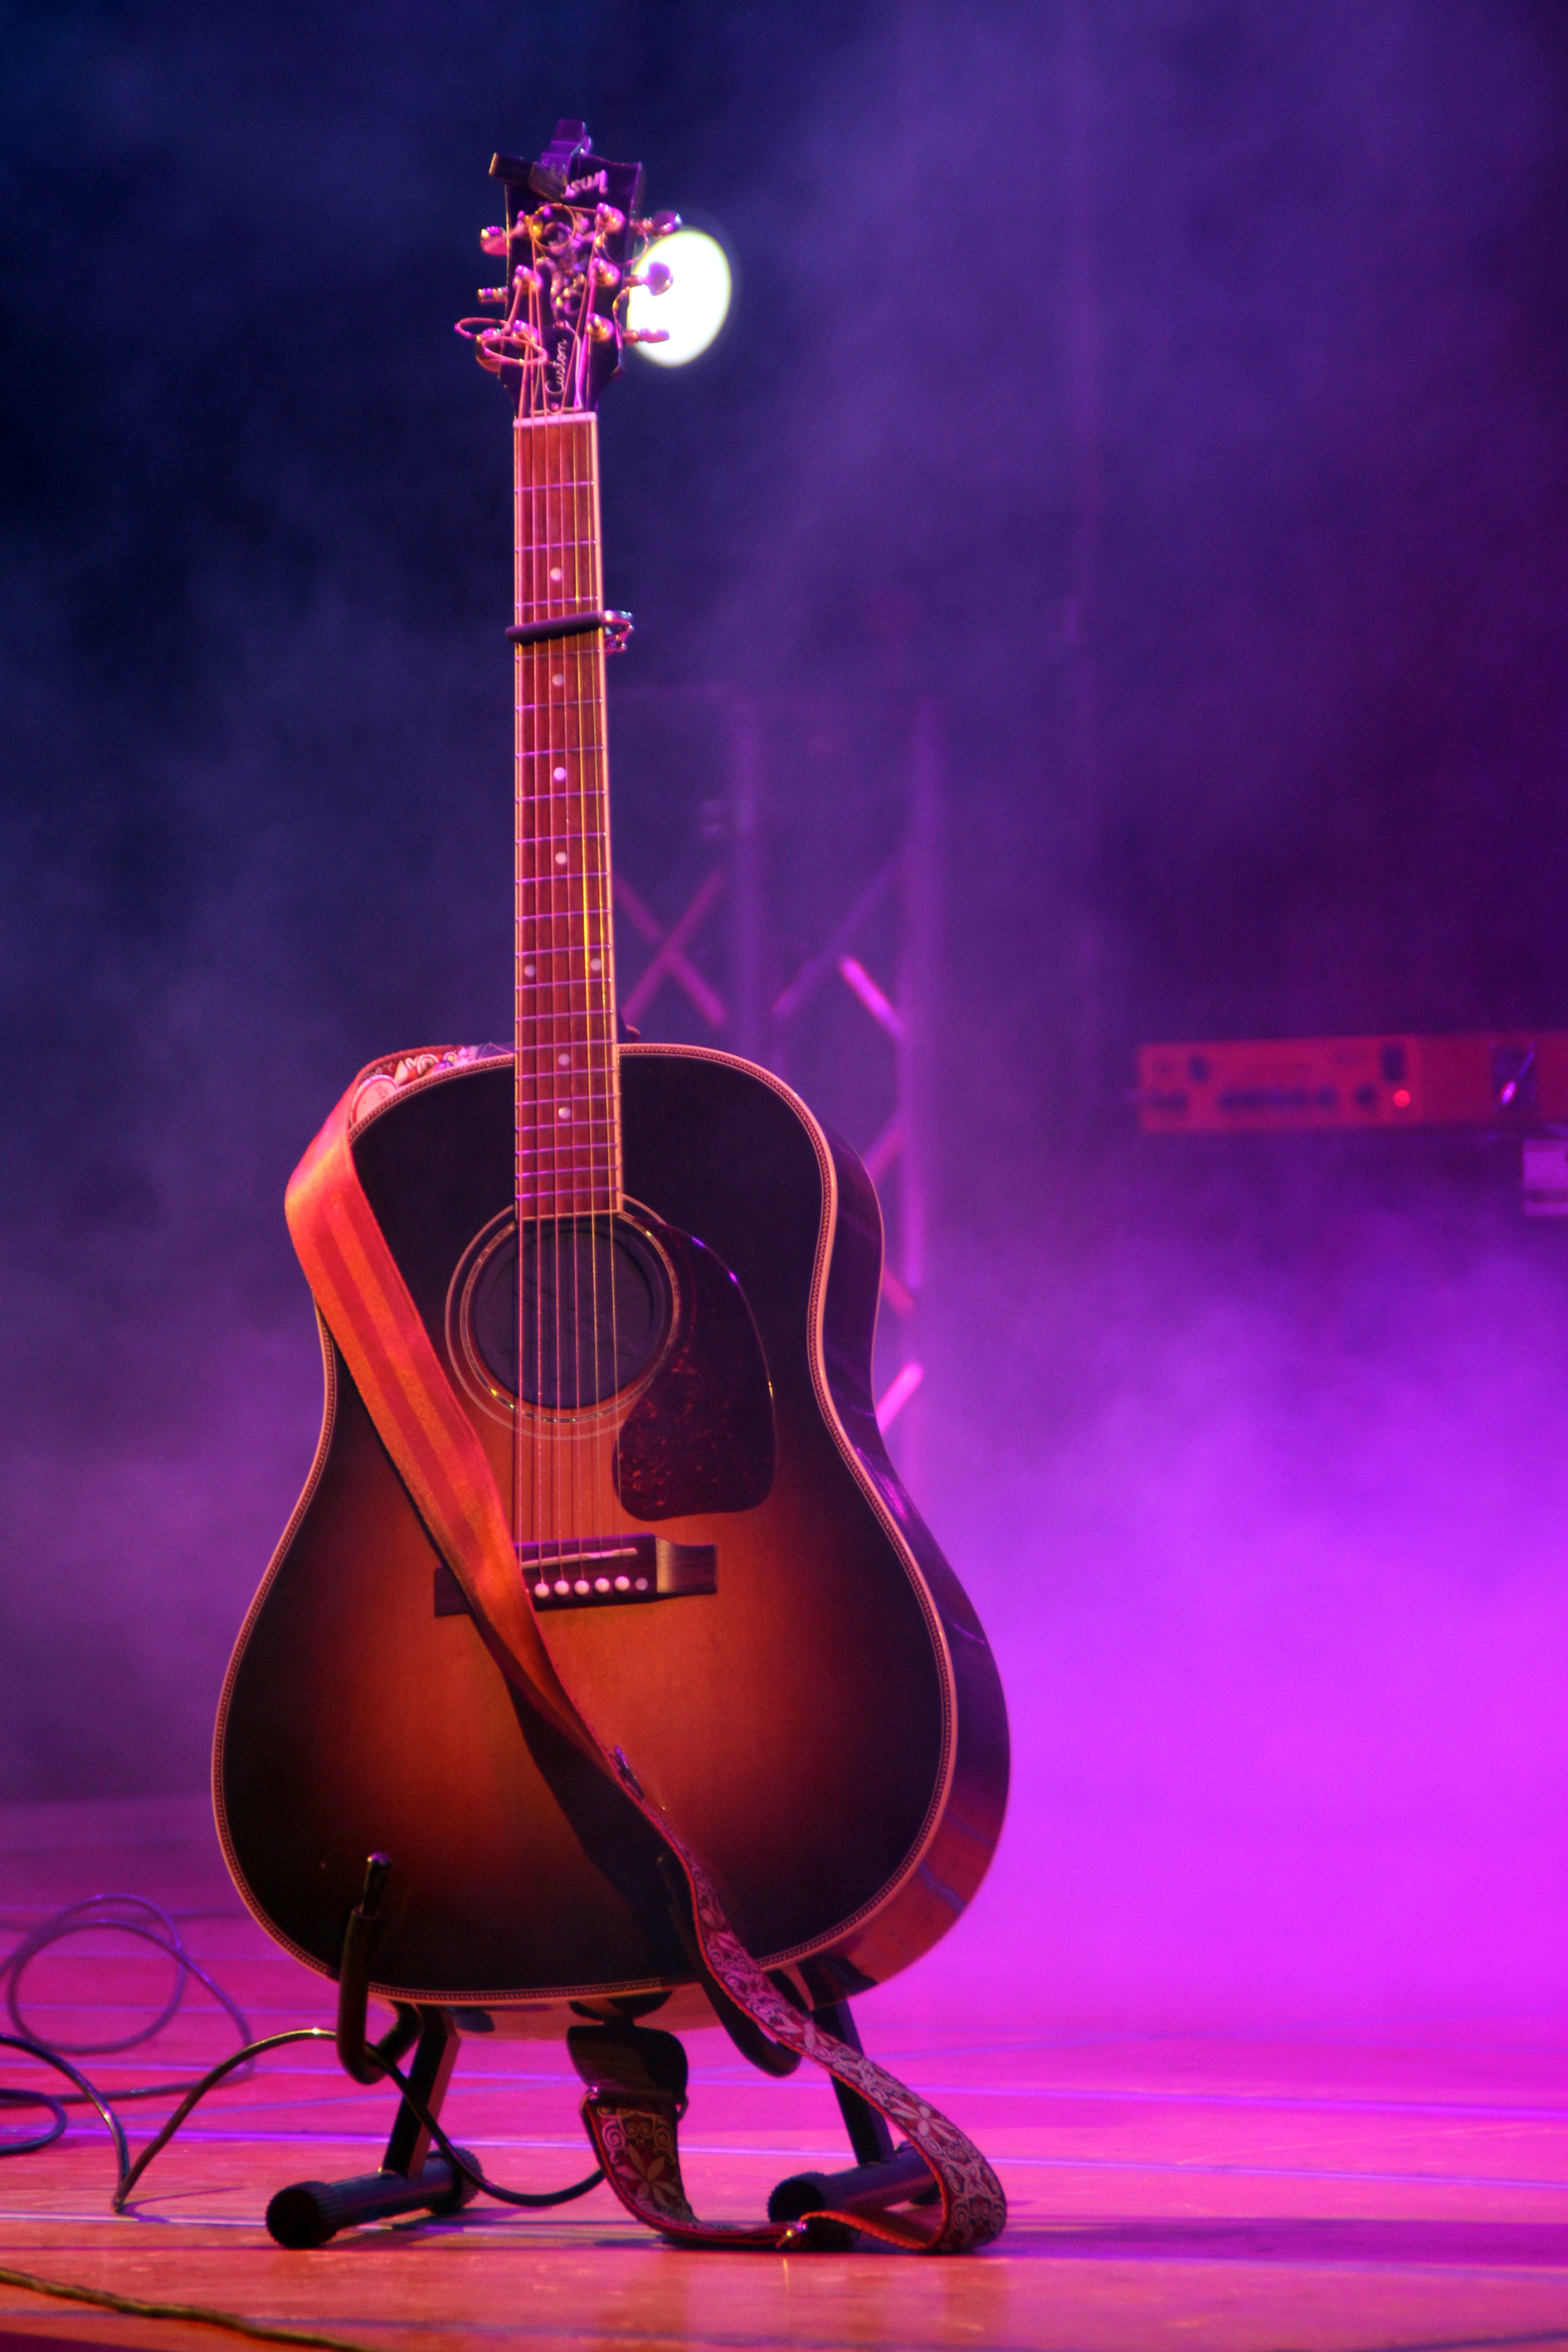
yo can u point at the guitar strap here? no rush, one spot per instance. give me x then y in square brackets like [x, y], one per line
[420, 1418]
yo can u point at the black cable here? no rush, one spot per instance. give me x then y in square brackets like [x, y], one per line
[98, 1911]
[94, 2097]
[30, 2144]
[130, 2174]
[470, 2170]
[79, 1918]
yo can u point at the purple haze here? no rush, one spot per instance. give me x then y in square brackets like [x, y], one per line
[1176, 392]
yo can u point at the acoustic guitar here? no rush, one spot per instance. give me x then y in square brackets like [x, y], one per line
[652, 1277]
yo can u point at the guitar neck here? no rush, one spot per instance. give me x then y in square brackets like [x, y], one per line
[568, 1088]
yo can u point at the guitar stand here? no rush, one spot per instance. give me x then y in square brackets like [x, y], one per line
[411, 2180]
[882, 2175]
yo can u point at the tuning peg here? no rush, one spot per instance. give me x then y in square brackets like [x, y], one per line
[502, 241]
[645, 334]
[658, 278]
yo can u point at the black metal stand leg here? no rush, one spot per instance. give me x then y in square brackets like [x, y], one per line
[410, 2180]
[881, 2174]
[869, 2135]
[435, 2056]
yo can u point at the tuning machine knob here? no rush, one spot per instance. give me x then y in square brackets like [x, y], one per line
[500, 241]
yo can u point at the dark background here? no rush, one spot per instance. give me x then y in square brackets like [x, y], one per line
[1175, 393]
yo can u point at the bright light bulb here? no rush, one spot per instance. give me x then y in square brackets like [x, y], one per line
[692, 307]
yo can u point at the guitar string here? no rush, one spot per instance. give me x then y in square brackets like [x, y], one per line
[542, 1029]
[548, 594]
[567, 1226]
[532, 1343]
[521, 1017]
[611, 1071]
[589, 764]
[547, 590]
[525, 1438]
[562, 477]
[544, 1496]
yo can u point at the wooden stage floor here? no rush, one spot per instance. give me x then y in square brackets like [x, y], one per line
[1167, 2187]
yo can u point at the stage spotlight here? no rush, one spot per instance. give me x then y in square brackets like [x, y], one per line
[692, 307]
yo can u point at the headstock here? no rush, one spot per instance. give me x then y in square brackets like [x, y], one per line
[570, 238]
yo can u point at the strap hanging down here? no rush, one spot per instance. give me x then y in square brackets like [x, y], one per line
[420, 1419]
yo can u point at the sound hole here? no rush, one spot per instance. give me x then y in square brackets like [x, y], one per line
[595, 1310]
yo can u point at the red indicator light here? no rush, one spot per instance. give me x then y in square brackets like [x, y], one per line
[1401, 1098]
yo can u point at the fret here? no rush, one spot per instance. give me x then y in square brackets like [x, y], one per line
[587, 1142]
[549, 1167]
[545, 1139]
[589, 1119]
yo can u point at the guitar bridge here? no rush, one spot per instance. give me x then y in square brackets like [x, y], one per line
[613, 1572]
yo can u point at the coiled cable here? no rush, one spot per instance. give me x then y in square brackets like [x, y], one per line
[132, 1914]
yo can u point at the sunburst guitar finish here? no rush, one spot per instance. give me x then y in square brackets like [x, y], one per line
[827, 1719]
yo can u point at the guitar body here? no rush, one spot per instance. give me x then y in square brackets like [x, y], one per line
[825, 1724]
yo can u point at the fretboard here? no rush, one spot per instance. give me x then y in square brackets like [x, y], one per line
[568, 1091]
